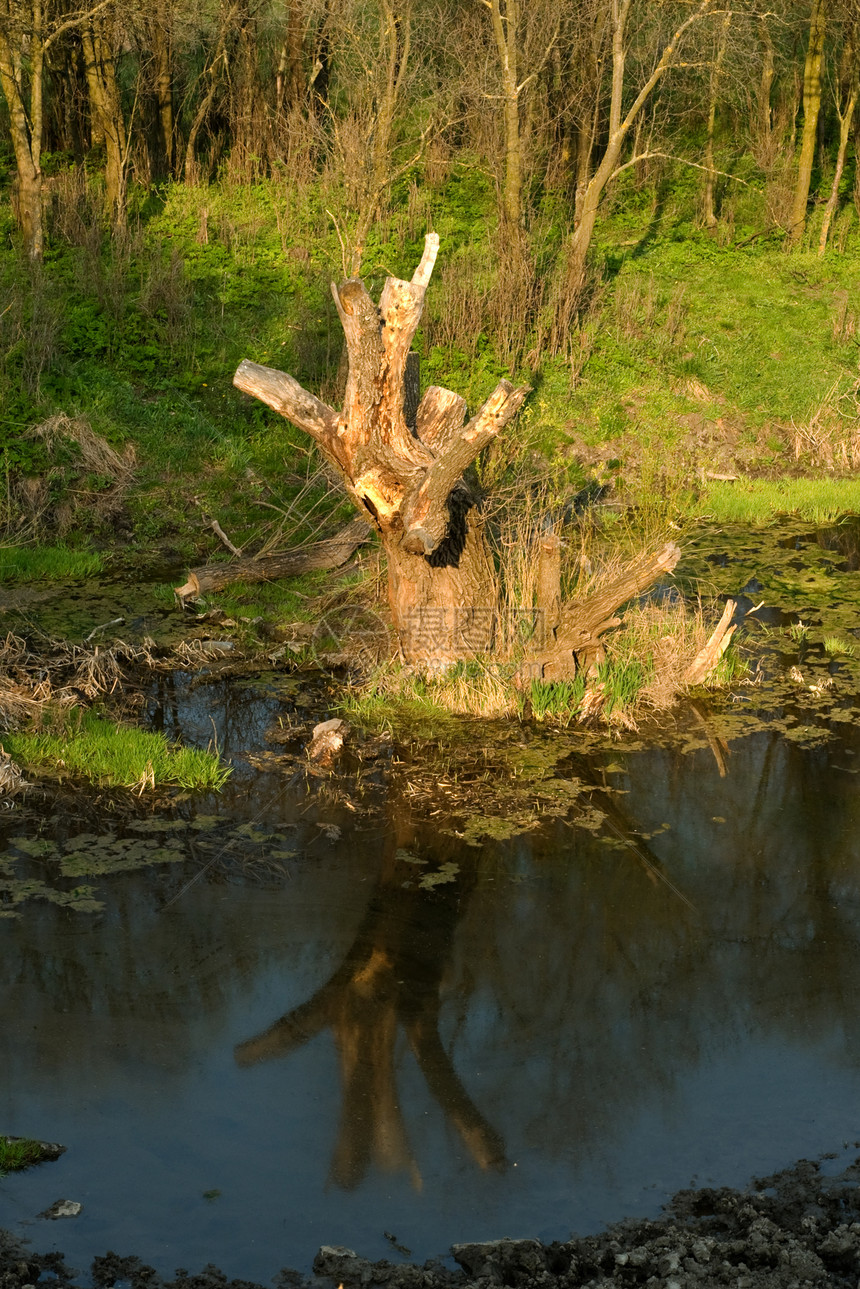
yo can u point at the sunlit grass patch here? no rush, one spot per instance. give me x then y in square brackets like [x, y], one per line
[18, 1153]
[557, 700]
[43, 563]
[85, 745]
[757, 501]
[835, 646]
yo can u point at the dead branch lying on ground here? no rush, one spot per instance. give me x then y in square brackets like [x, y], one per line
[314, 557]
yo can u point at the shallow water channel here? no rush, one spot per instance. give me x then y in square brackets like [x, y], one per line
[299, 1019]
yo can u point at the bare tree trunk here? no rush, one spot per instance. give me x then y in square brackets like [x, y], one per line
[441, 582]
[226, 18]
[710, 173]
[162, 53]
[106, 109]
[619, 126]
[765, 113]
[290, 79]
[330, 553]
[395, 42]
[845, 112]
[505, 35]
[811, 109]
[26, 121]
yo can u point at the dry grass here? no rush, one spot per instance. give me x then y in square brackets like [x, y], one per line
[830, 436]
[87, 479]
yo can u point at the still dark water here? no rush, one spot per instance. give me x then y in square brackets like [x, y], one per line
[549, 1041]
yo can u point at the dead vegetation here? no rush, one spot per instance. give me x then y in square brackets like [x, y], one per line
[85, 481]
[830, 435]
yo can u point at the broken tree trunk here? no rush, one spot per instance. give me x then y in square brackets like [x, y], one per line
[441, 581]
[575, 643]
[404, 470]
[266, 568]
[707, 659]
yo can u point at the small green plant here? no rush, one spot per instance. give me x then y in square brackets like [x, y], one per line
[799, 632]
[86, 745]
[834, 646]
[622, 679]
[730, 669]
[558, 700]
[18, 1153]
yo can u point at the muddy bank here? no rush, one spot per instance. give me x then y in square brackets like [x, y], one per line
[795, 1229]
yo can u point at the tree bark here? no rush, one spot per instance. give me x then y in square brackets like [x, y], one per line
[811, 109]
[710, 172]
[441, 581]
[106, 109]
[575, 644]
[290, 77]
[25, 119]
[162, 55]
[845, 111]
[505, 35]
[707, 659]
[620, 125]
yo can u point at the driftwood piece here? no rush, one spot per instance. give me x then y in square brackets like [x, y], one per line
[706, 659]
[576, 645]
[266, 568]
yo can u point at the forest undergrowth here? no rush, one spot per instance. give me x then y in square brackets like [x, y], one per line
[705, 374]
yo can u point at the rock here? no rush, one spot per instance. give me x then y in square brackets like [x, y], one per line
[507, 1262]
[63, 1208]
[341, 1264]
[327, 742]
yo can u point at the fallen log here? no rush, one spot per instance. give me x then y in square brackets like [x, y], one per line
[330, 553]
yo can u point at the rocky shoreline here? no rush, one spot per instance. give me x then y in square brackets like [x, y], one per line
[797, 1229]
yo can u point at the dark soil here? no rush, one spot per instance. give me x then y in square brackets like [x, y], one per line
[797, 1229]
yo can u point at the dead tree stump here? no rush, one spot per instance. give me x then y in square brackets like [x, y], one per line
[403, 466]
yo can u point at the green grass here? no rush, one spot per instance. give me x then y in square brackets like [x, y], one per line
[556, 701]
[758, 501]
[623, 679]
[837, 647]
[87, 746]
[47, 563]
[18, 1153]
[699, 349]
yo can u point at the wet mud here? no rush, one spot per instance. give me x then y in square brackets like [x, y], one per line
[795, 1229]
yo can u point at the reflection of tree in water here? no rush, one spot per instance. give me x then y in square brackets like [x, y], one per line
[390, 978]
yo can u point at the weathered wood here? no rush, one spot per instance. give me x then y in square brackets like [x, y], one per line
[425, 520]
[548, 583]
[441, 414]
[441, 579]
[268, 568]
[706, 659]
[578, 645]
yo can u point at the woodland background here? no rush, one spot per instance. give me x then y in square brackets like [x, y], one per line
[648, 211]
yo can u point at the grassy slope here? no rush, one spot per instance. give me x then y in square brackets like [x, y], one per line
[699, 357]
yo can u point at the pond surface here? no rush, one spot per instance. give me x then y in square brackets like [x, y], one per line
[370, 1026]
[297, 1018]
